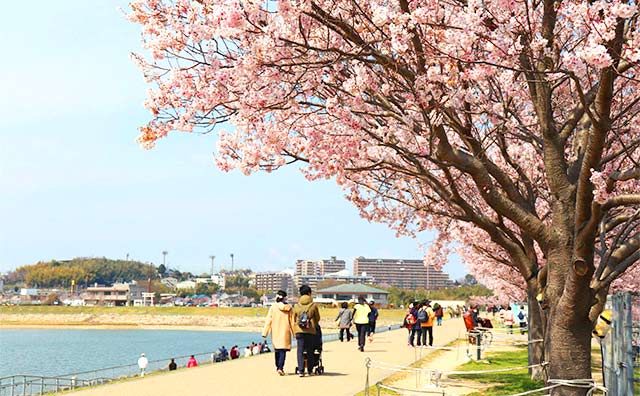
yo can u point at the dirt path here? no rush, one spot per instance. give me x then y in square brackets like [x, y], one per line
[345, 371]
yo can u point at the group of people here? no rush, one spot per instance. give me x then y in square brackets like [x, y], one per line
[256, 348]
[419, 321]
[143, 363]
[507, 315]
[364, 316]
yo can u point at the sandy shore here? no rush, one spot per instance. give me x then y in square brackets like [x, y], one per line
[144, 321]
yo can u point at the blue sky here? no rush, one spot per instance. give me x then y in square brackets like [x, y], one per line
[73, 181]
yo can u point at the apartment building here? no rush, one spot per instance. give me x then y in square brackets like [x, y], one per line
[402, 273]
[274, 281]
[319, 267]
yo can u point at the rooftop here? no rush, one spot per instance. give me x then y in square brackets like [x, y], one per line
[352, 288]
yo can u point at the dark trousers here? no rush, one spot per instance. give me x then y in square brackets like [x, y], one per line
[425, 331]
[523, 327]
[305, 344]
[413, 334]
[349, 335]
[372, 328]
[362, 333]
[280, 355]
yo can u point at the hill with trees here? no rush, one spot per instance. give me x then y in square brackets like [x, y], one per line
[84, 270]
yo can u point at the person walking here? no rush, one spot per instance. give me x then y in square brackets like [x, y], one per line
[192, 362]
[143, 363]
[278, 323]
[439, 312]
[306, 317]
[426, 318]
[373, 317]
[522, 318]
[416, 329]
[344, 319]
[508, 320]
[361, 319]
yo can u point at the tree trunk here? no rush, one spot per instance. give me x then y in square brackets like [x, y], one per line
[569, 349]
[536, 332]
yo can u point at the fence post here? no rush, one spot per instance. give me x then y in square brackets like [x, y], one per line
[628, 343]
[478, 346]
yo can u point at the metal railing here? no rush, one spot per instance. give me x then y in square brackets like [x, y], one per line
[31, 385]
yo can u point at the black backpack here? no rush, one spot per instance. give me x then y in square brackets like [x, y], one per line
[304, 320]
[422, 316]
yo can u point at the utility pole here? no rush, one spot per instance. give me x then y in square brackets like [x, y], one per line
[231, 262]
[212, 258]
[150, 276]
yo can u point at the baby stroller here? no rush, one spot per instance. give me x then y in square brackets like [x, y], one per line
[317, 368]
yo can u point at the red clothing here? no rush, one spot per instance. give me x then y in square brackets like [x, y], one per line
[192, 362]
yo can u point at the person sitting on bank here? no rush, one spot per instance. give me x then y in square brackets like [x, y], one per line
[172, 365]
[234, 353]
[224, 354]
[192, 362]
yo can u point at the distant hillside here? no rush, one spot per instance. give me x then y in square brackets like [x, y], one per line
[82, 269]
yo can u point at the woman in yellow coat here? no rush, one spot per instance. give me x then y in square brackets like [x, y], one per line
[278, 323]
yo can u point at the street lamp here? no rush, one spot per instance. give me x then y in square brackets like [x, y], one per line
[231, 262]
[164, 257]
[212, 258]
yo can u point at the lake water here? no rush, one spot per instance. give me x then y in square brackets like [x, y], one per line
[60, 352]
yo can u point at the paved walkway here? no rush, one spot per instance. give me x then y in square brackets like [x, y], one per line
[345, 371]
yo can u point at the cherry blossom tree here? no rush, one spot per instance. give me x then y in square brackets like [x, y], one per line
[509, 126]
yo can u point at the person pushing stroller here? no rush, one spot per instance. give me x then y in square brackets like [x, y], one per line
[306, 317]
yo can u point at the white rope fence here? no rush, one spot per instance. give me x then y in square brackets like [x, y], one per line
[436, 374]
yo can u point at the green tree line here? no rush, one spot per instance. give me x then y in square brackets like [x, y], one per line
[83, 271]
[399, 297]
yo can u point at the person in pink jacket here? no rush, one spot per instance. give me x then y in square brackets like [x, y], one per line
[192, 362]
[278, 323]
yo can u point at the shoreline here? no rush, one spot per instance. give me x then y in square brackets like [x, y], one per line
[124, 326]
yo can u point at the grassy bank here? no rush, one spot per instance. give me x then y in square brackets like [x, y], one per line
[502, 383]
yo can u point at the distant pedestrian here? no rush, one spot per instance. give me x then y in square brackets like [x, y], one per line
[192, 362]
[361, 319]
[426, 318]
[373, 317]
[172, 365]
[306, 317]
[143, 363]
[439, 312]
[278, 323]
[508, 320]
[344, 319]
[522, 318]
[415, 328]
[247, 351]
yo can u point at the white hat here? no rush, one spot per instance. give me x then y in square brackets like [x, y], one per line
[142, 354]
